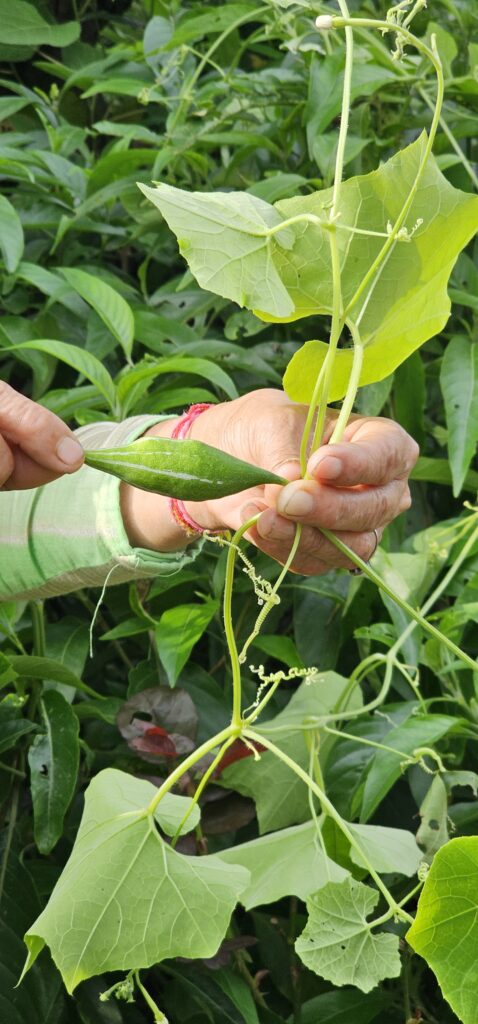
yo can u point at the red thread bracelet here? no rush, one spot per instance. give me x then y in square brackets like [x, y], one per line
[177, 507]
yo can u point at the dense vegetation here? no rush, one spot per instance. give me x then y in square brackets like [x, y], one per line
[234, 97]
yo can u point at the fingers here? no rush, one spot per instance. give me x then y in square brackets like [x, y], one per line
[376, 451]
[6, 462]
[42, 446]
[275, 535]
[357, 510]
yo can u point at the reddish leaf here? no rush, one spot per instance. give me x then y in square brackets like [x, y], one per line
[155, 740]
[172, 709]
[236, 752]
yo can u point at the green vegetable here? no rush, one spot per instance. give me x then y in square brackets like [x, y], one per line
[181, 469]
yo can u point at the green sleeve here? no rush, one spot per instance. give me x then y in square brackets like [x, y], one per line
[69, 534]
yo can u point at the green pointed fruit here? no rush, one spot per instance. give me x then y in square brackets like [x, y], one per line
[189, 470]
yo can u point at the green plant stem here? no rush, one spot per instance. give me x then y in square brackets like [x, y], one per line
[11, 770]
[269, 604]
[311, 742]
[315, 401]
[202, 785]
[159, 1016]
[451, 138]
[335, 332]
[38, 628]
[345, 112]
[350, 396]
[365, 742]
[412, 612]
[433, 57]
[189, 762]
[438, 591]
[9, 837]
[323, 384]
[329, 808]
[311, 218]
[228, 626]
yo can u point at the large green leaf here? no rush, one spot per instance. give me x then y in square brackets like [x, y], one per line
[337, 942]
[135, 382]
[53, 758]
[11, 235]
[213, 20]
[178, 631]
[281, 797]
[22, 25]
[459, 384]
[85, 362]
[227, 242]
[418, 731]
[108, 303]
[32, 667]
[287, 863]
[386, 849]
[345, 1007]
[41, 997]
[445, 930]
[126, 899]
[224, 239]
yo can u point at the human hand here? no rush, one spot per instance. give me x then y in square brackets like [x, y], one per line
[370, 487]
[35, 445]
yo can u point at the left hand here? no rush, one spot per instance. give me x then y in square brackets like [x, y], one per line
[355, 487]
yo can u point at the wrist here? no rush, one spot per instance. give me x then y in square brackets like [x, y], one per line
[147, 516]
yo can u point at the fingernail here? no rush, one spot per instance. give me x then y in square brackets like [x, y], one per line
[69, 451]
[297, 503]
[328, 467]
[272, 527]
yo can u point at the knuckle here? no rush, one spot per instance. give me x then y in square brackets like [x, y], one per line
[365, 545]
[312, 542]
[7, 464]
[20, 413]
[383, 507]
[413, 453]
[405, 501]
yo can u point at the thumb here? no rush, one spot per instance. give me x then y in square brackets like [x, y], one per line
[42, 445]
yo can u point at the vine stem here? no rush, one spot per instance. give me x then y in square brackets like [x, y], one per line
[432, 54]
[389, 659]
[416, 615]
[228, 626]
[352, 388]
[451, 138]
[38, 628]
[270, 601]
[159, 1016]
[438, 591]
[189, 762]
[203, 783]
[329, 809]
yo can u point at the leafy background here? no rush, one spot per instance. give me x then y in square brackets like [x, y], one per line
[236, 96]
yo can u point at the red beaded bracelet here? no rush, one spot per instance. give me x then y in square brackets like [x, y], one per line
[177, 507]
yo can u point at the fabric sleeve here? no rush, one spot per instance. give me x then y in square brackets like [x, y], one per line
[69, 534]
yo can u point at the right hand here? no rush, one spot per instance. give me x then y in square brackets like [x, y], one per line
[35, 445]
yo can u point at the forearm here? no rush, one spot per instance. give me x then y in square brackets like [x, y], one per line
[70, 533]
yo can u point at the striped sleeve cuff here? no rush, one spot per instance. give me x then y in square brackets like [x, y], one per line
[70, 534]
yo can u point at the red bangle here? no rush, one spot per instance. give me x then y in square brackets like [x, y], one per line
[177, 507]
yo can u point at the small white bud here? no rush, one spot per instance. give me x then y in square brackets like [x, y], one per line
[324, 21]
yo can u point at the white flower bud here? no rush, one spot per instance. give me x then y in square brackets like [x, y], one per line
[324, 21]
